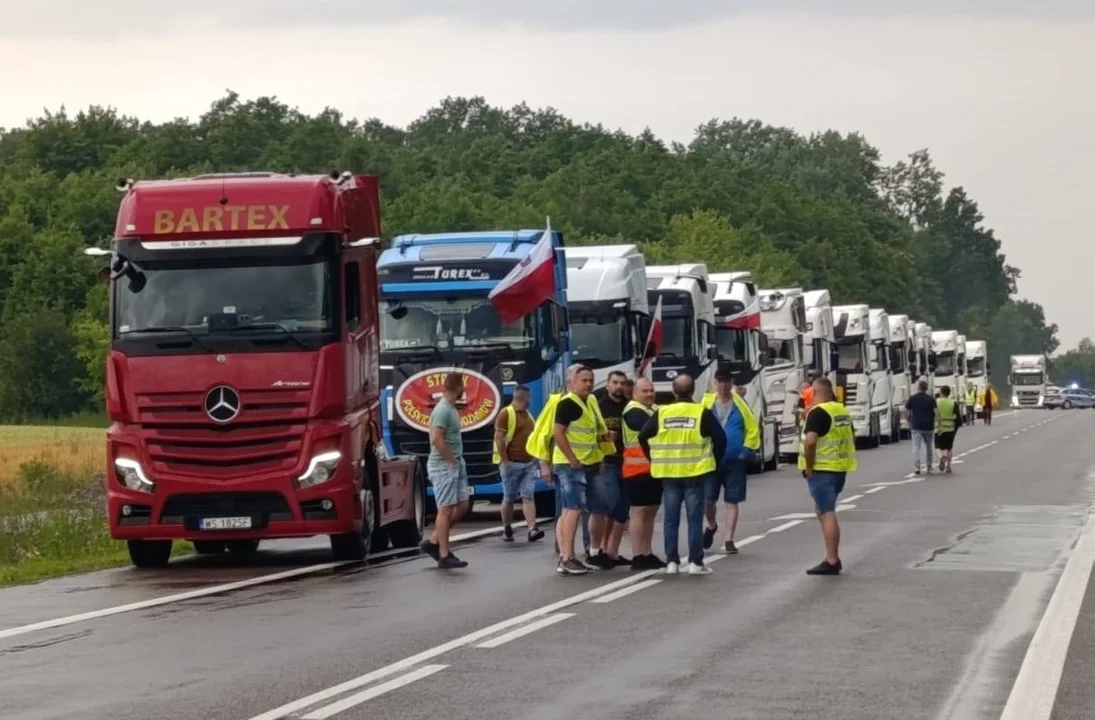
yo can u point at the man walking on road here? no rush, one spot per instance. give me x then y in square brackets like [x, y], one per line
[988, 401]
[608, 508]
[742, 435]
[447, 472]
[949, 422]
[922, 414]
[518, 469]
[577, 458]
[643, 491]
[826, 455]
[682, 441]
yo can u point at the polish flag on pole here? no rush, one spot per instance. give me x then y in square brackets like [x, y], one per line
[529, 284]
[654, 340]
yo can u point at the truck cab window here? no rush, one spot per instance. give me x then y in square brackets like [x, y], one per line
[351, 284]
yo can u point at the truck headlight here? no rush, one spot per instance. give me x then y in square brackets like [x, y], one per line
[320, 469]
[132, 475]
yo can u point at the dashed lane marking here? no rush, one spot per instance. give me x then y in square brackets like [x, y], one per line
[534, 626]
[334, 708]
[624, 592]
[785, 526]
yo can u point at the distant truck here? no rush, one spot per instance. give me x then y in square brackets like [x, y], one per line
[820, 337]
[688, 327]
[1027, 378]
[902, 365]
[948, 363]
[977, 375]
[438, 319]
[741, 347]
[962, 377]
[882, 373]
[783, 320]
[609, 311]
[242, 380]
[923, 344]
[854, 378]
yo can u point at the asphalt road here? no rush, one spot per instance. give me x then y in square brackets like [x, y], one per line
[946, 580]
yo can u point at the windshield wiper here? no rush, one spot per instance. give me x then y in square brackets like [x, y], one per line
[268, 326]
[412, 352]
[172, 329]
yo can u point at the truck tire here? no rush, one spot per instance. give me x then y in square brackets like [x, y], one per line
[208, 547]
[149, 554]
[242, 548]
[355, 546]
[876, 433]
[408, 533]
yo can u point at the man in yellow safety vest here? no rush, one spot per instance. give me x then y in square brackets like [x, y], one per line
[643, 491]
[516, 467]
[949, 422]
[682, 441]
[826, 454]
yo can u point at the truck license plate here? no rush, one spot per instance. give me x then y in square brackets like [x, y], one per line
[226, 523]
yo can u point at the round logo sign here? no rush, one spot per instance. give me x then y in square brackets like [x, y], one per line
[416, 398]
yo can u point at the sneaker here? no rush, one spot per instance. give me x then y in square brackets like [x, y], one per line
[672, 568]
[656, 563]
[451, 561]
[603, 561]
[589, 563]
[942, 465]
[641, 562]
[507, 533]
[535, 534]
[709, 537]
[572, 567]
[431, 549]
[698, 569]
[730, 547]
[620, 561]
[825, 568]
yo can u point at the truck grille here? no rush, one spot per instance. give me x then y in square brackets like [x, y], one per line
[1027, 398]
[850, 395]
[478, 450]
[268, 434]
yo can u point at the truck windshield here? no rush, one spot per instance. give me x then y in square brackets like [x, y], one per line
[599, 340]
[943, 362]
[851, 357]
[294, 294]
[1027, 378]
[782, 350]
[677, 337]
[975, 367]
[732, 344]
[452, 323]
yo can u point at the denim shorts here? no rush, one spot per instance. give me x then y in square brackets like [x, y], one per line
[519, 481]
[450, 487]
[825, 487]
[730, 479]
[574, 484]
[613, 477]
[604, 490]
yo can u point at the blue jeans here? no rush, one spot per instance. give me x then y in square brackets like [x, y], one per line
[922, 447]
[690, 491]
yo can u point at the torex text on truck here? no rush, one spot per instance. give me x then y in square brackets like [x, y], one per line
[242, 381]
[436, 317]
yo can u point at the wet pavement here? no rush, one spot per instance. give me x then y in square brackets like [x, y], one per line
[945, 580]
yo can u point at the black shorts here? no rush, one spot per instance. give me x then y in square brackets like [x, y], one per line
[644, 491]
[945, 441]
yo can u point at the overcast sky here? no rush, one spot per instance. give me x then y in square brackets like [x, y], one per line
[1000, 91]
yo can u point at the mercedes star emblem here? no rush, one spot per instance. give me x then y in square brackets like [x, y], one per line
[222, 404]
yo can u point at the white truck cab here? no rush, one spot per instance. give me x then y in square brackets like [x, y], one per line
[1028, 381]
[688, 327]
[977, 373]
[945, 362]
[783, 320]
[902, 365]
[854, 383]
[882, 396]
[923, 332]
[962, 373]
[820, 336]
[609, 311]
[741, 348]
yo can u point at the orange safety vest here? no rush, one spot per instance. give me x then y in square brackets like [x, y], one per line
[808, 397]
[635, 462]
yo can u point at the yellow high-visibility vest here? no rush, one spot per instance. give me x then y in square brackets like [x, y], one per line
[836, 448]
[582, 434]
[635, 462]
[679, 450]
[541, 439]
[511, 428]
[752, 429]
[946, 415]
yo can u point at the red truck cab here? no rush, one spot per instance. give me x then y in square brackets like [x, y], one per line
[242, 381]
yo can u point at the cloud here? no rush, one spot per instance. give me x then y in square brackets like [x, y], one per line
[107, 19]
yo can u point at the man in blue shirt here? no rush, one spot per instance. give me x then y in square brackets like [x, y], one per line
[742, 438]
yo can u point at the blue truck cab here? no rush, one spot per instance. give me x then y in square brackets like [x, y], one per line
[435, 317]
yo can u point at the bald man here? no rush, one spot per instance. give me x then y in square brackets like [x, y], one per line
[644, 492]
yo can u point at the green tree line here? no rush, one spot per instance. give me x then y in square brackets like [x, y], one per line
[817, 211]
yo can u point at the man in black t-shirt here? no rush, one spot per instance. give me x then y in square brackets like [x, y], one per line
[922, 413]
[608, 508]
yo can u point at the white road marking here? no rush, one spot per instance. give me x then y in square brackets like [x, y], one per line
[218, 589]
[335, 708]
[842, 507]
[907, 481]
[530, 628]
[792, 516]
[850, 498]
[784, 526]
[873, 490]
[749, 540]
[637, 587]
[280, 713]
[1035, 689]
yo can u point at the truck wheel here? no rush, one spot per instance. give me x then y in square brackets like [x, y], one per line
[355, 546]
[876, 434]
[408, 533]
[208, 547]
[242, 547]
[770, 465]
[148, 554]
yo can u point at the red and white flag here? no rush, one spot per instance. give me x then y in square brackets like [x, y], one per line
[529, 284]
[654, 340]
[747, 319]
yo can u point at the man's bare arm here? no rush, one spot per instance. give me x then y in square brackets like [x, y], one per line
[437, 439]
[561, 442]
